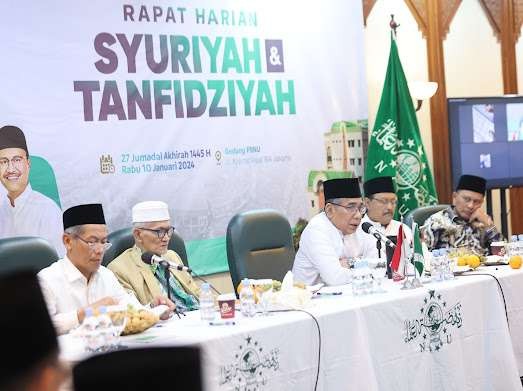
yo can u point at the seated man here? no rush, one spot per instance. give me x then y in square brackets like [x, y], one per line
[465, 223]
[78, 281]
[381, 201]
[152, 231]
[30, 346]
[329, 239]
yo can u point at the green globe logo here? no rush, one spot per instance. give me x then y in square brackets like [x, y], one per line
[409, 169]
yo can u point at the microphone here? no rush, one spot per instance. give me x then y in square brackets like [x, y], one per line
[150, 258]
[371, 230]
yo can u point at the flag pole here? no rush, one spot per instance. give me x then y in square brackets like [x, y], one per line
[407, 284]
[416, 283]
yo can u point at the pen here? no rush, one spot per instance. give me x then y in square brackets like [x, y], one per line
[227, 323]
[328, 293]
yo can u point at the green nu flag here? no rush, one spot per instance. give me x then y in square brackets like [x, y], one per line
[395, 147]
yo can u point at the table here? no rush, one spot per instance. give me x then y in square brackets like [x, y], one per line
[451, 335]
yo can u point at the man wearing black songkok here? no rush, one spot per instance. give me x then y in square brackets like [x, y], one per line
[78, 281]
[30, 346]
[381, 201]
[465, 223]
[329, 239]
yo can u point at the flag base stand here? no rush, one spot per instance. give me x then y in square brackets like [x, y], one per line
[412, 283]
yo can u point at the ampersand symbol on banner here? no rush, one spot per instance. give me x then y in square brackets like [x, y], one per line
[274, 57]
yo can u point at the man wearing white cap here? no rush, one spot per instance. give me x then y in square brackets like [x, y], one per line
[152, 231]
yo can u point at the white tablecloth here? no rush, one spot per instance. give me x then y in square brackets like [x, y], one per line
[446, 336]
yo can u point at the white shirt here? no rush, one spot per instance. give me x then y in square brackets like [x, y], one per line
[33, 215]
[368, 242]
[321, 247]
[66, 290]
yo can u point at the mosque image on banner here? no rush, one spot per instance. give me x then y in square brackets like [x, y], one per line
[346, 151]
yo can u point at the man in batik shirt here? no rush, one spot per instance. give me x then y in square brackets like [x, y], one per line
[465, 223]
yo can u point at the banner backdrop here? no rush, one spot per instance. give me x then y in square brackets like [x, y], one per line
[213, 107]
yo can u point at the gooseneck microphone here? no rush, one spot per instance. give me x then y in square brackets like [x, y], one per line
[371, 230]
[150, 259]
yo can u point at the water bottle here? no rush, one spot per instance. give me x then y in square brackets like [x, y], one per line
[90, 331]
[206, 303]
[247, 305]
[435, 266]
[361, 281]
[448, 269]
[513, 246]
[520, 244]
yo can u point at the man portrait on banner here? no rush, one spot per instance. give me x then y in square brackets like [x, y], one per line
[23, 211]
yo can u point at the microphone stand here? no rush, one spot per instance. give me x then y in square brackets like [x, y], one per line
[167, 274]
[378, 247]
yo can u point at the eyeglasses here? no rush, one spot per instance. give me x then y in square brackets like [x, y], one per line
[93, 243]
[392, 203]
[17, 162]
[353, 208]
[161, 232]
[467, 200]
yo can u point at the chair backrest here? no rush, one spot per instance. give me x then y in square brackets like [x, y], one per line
[153, 368]
[259, 245]
[419, 215]
[26, 252]
[123, 239]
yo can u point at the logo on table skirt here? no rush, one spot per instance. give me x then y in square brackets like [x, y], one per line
[434, 327]
[248, 371]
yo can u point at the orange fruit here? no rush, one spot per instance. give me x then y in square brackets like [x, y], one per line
[473, 261]
[515, 261]
[462, 261]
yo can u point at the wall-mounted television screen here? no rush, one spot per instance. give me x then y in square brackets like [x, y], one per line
[486, 139]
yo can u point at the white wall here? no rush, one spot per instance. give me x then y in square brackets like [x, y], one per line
[413, 53]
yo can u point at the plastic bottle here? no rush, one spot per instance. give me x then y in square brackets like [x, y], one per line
[206, 303]
[435, 266]
[362, 279]
[447, 268]
[247, 305]
[520, 245]
[514, 246]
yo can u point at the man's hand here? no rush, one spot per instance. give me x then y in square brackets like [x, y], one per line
[159, 300]
[105, 301]
[480, 219]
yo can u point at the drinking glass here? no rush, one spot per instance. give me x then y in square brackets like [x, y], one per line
[118, 315]
[378, 269]
[263, 288]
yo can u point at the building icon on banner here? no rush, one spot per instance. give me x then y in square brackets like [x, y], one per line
[346, 150]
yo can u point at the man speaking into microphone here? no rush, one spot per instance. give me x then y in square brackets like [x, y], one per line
[152, 231]
[381, 201]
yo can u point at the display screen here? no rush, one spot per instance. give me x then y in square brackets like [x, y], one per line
[486, 139]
